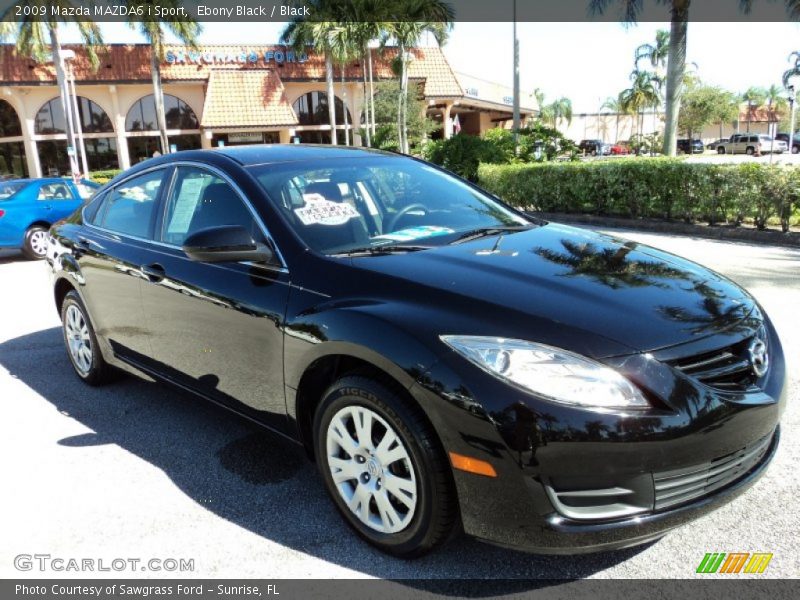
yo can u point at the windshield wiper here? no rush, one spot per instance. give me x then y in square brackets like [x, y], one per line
[474, 234]
[377, 250]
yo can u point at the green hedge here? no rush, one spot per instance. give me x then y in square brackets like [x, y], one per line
[667, 188]
[104, 176]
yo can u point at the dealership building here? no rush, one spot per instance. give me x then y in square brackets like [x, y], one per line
[214, 96]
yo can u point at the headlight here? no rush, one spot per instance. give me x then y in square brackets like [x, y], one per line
[558, 375]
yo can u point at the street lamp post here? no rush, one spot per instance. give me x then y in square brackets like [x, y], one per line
[516, 82]
[792, 99]
[78, 128]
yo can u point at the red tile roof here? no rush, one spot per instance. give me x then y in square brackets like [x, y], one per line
[131, 63]
[246, 98]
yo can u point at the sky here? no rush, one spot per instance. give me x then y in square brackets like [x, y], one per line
[586, 62]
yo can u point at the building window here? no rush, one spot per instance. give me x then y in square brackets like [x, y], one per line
[101, 154]
[9, 121]
[12, 159]
[142, 115]
[142, 148]
[312, 109]
[50, 118]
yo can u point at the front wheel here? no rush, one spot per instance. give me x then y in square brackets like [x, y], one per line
[35, 245]
[795, 149]
[81, 342]
[384, 467]
[720, 150]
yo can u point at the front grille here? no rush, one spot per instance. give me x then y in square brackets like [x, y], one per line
[605, 498]
[681, 485]
[727, 369]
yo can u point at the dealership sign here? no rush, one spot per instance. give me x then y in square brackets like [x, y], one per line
[189, 57]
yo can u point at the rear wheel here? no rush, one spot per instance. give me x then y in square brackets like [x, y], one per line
[795, 149]
[750, 150]
[384, 468]
[81, 342]
[720, 150]
[35, 245]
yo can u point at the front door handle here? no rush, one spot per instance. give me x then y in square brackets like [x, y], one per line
[154, 272]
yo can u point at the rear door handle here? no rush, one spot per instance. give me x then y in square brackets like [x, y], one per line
[154, 272]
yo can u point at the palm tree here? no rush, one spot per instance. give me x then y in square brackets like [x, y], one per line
[186, 30]
[419, 17]
[300, 33]
[32, 35]
[645, 92]
[754, 96]
[775, 103]
[676, 63]
[615, 106]
[656, 54]
[559, 109]
[344, 48]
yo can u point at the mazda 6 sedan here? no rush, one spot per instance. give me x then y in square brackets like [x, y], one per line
[450, 363]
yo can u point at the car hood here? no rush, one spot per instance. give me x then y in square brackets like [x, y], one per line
[639, 297]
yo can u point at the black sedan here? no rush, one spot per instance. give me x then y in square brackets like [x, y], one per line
[449, 362]
[687, 146]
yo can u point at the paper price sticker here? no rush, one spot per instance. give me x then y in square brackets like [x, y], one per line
[319, 211]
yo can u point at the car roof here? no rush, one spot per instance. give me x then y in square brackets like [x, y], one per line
[37, 180]
[275, 153]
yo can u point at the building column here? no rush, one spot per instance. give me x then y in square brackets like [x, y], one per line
[123, 156]
[448, 124]
[205, 139]
[285, 136]
[16, 100]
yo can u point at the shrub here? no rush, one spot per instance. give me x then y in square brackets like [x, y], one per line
[104, 176]
[656, 187]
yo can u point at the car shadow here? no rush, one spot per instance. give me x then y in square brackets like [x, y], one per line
[248, 476]
[10, 256]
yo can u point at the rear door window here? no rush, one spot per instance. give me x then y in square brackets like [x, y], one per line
[130, 207]
[55, 191]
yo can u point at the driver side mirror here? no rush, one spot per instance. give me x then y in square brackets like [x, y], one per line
[227, 243]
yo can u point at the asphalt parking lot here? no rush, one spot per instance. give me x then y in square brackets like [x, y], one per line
[137, 470]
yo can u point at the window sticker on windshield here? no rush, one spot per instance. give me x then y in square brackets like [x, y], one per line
[319, 211]
[415, 233]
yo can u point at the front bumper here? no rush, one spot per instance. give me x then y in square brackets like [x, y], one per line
[535, 445]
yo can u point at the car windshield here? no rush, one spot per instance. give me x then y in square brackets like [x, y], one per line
[9, 188]
[345, 205]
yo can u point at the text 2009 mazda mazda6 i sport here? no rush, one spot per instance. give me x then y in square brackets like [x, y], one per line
[449, 362]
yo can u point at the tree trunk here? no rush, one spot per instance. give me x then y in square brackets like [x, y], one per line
[675, 70]
[344, 112]
[331, 97]
[365, 100]
[158, 95]
[749, 112]
[371, 91]
[61, 79]
[401, 117]
[616, 130]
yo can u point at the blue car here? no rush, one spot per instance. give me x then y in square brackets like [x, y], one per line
[29, 206]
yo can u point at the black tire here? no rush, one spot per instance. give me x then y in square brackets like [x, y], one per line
[594, 152]
[750, 150]
[795, 149]
[720, 150]
[98, 371]
[435, 514]
[31, 246]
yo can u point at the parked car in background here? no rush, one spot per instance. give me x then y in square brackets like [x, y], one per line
[752, 143]
[594, 147]
[28, 207]
[621, 148]
[687, 146]
[713, 145]
[362, 304]
[784, 137]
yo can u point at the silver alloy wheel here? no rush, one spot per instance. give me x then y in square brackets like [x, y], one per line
[78, 339]
[38, 242]
[371, 469]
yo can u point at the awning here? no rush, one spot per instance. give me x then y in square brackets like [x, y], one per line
[246, 99]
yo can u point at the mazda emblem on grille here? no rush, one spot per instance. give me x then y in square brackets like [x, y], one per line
[759, 358]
